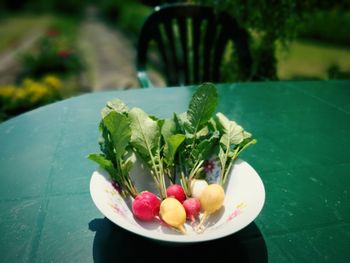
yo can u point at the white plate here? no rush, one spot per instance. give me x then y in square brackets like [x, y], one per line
[245, 197]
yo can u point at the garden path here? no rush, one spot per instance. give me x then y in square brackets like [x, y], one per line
[109, 55]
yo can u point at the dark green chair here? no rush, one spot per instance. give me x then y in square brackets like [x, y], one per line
[186, 43]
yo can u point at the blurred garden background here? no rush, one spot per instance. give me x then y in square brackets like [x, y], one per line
[54, 49]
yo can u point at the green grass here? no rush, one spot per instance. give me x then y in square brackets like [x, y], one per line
[312, 60]
[14, 29]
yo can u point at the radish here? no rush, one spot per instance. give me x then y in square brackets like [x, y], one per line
[177, 192]
[146, 206]
[173, 213]
[197, 187]
[211, 199]
[192, 207]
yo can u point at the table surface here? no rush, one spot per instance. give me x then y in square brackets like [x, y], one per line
[302, 156]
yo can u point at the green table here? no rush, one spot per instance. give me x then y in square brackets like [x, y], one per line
[302, 156]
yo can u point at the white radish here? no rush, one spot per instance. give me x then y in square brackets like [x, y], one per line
[197, 187]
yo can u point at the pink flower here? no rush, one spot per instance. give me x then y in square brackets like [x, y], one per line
[52, 32]
[63, 53]
[209, 166]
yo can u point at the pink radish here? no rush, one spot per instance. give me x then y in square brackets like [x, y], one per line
[177, 192]
[146, 206]
[192, 207]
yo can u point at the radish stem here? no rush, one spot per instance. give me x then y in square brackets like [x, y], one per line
[200, 228]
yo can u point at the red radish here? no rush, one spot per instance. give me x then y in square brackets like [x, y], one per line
[146, 206]
[192, 207]
[177, 192]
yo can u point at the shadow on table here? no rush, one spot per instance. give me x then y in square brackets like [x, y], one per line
[114, 244]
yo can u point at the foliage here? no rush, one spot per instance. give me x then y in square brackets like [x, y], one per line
[129, 16]
[175, 147]
[269, 22]
[327, 26]
[29, 95]
[58, 6]
[233, 141]
[67, 27]
[116, 160]
[55, 55]
[334, 72]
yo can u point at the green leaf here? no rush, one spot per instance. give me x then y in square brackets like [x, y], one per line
[117, 105]
[168, 128]
[104, 163]
[246, 135]
[146, 138]
[232, 132]
[172, 140]
[105, 142]
[105, 111]
[115, 135]
[206, 146]
[145, 135]
[172, 143]
[222, 122]
[181, 120]
[114, 105]
[202, 132]
[118, 126]
[201, 107]
[245, 143]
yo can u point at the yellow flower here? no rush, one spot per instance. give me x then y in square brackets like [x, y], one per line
[37, 92]
[7, 92]
[52, 81]
[27, 82]
[20, 95]
[30, 93]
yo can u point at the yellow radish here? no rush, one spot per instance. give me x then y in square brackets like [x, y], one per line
[173, 213]
[211, 199]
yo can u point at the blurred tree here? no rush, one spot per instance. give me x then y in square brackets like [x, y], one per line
[111, 9]
[268, 21]
[160, 2]
[328, 26]
[126, 15]
[61, 6]
[271, 21]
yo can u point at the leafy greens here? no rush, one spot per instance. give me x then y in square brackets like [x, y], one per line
[175, 148]
[116, 156]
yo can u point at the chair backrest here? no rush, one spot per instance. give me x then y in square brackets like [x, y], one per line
[191, 40]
